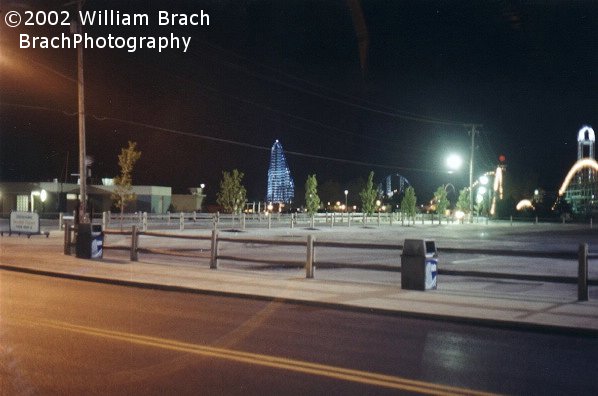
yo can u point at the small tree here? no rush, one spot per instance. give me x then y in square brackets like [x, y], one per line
[312, 200]
[442, 202]
[368, 196]
[409, 203]
[232, 194]
[123, 192]
[463, 201]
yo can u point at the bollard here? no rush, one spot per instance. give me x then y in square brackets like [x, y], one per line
[269, 221]
[292, 220]
[332, 220]
[243, 221]
[168, 216]
[582, 278]
[536, 220]
[144, 223]
[391, 217]
[181, 221]
[348, 220]
[104, 220]
[134, 243]
[67, 238]
[194, 216]
[378, 218]
[309, 262]
[60, 220]
[214, 252]
[511, 221]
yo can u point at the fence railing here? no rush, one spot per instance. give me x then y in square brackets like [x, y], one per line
[582, 256]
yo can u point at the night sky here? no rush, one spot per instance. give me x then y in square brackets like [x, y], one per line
[291, 70]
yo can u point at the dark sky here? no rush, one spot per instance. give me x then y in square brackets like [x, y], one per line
[291, 70]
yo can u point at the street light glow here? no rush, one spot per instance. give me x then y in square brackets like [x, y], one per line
[454, 162]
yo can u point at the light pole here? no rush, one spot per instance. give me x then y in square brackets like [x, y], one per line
[76, 27]
[346, 195]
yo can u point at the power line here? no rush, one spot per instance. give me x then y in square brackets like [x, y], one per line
[221, 140]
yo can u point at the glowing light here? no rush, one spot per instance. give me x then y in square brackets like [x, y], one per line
[43, 195]
[484, 179]
[579, 165]
[454, 162]
[459, 214]
[524, 204]
[482, 190]
[581, 136]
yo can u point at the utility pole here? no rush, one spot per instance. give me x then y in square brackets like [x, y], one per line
[83, 217]
[472, 132]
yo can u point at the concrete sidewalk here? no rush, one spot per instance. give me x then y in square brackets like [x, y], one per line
[519, 304]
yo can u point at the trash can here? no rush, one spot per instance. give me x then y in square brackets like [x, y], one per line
[97, 242]
[419, 265]
[90, 241]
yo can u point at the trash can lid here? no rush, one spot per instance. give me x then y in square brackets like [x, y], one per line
[419, 247]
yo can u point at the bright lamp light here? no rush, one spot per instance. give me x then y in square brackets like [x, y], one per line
[454, 162]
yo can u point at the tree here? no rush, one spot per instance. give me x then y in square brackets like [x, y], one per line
[232, 194]
[368, 196]
[123, 192]
[442, 202]
[312, 200]
[463, 201]
[409, 202]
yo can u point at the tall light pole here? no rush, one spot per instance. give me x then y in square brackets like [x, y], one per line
[346, 194]
[472, 132]
[83, 218]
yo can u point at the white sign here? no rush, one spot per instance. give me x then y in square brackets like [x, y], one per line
[24, 222]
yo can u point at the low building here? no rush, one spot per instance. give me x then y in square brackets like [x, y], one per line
[54, 197]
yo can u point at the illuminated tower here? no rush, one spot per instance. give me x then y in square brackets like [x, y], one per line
[580, 187]
[281, 188]
[586, 138]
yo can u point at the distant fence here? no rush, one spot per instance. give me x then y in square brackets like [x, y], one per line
[212, 253]
[196, 220]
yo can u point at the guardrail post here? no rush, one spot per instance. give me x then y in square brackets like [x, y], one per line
[67, 238]
[168, 214]
[269, 220]
[536, 221]
[104, 221]
[60, 220]
[134, 243]
[309, 262]
[332, 220]
[292, 220]
[214, 251]
[144, 222]
[348, 219]
[181, 221]
[194, 216]
[391, 217]
[243, 221]
[582, 278]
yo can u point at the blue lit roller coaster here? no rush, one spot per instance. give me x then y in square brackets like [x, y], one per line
[396, 184]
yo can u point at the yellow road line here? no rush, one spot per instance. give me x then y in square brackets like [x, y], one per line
[340, 373]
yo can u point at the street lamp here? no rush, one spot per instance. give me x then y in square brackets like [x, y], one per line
[346, 194]
[454, 162]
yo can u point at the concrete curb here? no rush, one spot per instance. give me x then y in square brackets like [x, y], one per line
[483, 322]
